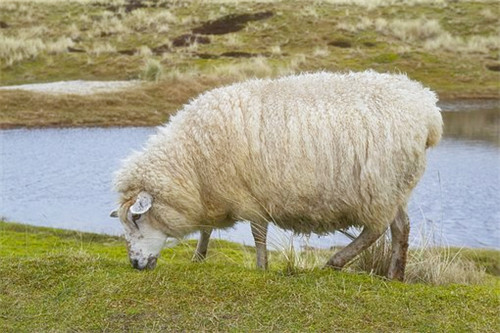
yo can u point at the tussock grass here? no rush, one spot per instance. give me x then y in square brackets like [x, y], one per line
[107, 24]
[233, 41]
[101, 48]
[376, 259]
[428, 263]
[414, 30]
[438, 266]
[13, 50]
[255, 67]
[152, 70]
[143, 20]
[426, 32]
[321, 52]
[475, 44]
[54, 280]
[295, 261]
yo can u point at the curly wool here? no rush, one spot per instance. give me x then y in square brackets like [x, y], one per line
[310, 153]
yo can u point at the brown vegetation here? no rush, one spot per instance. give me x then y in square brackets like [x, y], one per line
[452, 47]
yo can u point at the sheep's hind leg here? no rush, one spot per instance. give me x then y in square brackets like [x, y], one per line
[259, 232]
[201, 249]
[400, 230]
[363, 241]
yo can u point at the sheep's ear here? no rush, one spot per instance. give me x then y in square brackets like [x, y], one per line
[113, 213]
[142, 203]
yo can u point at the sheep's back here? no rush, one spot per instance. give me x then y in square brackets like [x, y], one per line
[314, 152]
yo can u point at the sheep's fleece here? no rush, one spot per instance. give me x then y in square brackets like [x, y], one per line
[310, 152]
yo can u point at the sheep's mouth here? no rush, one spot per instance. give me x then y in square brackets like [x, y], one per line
[150, 264]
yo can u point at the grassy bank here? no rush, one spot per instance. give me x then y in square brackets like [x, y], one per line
[185, 47]
[54, 280]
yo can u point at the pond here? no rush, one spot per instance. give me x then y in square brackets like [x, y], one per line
[62, 178]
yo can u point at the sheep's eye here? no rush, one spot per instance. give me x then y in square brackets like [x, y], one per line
[135, 218]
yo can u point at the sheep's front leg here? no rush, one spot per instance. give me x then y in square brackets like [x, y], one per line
[400, 231]
[362, 242]
[259, 232]
[201, 249]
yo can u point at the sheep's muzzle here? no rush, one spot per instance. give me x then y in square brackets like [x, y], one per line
[150, 264]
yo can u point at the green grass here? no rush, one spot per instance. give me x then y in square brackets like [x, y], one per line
[54, 280]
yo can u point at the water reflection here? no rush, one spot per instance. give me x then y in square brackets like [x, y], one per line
[473, 125]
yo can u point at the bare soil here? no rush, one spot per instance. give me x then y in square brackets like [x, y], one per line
[230, 23]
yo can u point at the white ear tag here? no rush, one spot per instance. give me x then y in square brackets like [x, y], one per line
[142, 203]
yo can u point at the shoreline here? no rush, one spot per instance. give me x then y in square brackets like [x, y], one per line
[144, 105]
[304, 248]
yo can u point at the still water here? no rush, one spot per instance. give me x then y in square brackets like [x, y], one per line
[62, 178]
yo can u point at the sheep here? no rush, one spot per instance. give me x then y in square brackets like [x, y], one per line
[311, 153]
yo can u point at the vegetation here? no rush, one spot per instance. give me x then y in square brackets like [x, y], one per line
[55, 280]
[185, 47]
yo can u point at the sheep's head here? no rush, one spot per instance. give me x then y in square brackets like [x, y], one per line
[144, 242]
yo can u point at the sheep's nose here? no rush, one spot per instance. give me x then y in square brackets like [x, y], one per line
[135, 263]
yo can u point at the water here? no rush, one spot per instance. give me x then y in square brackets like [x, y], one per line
[62, 178]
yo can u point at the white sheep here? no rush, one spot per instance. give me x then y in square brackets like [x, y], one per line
[310, 153]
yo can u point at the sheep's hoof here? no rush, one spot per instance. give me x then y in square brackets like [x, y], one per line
[328, 266]
[396, 275]
[198, 257]
[334, 264]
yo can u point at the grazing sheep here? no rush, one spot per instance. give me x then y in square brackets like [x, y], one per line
[311, 153]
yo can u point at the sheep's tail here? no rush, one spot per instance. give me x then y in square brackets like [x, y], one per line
[435, 128]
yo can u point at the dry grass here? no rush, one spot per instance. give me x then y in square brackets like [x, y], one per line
[142, 20]
[380, 3]
[321, 52]
[441, 266]
[233, 41]
[152, 71]
[429, 264]
[290, 259]
[425, 32]
[16, 49]
[376, 259]
[276, 50]
[474, 44]
[101, 48]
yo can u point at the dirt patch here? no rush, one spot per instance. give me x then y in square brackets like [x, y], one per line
[494, 67]
[75, 50]
[131, 5]
[206, 55]
[230, 23]
[238, 55]
[106, 34]
[233, 54]
[3, 25]
[343, 43]
[127, 52]
[135, 4]
[189, 39]
[159, 50]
